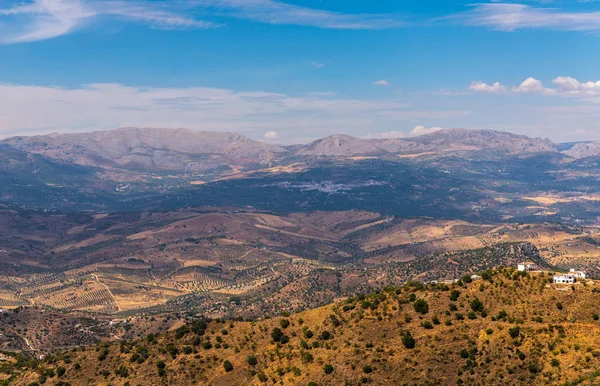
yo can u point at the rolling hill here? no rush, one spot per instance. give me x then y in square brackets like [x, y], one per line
[509, 328]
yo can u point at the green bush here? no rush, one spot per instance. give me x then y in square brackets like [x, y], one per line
[454, 295]
[407, 340]
[227, 366]
[328, 369]
[421, 306]
[514, 332]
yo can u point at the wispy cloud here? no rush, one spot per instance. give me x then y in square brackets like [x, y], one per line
[382, 82]
[277, 12]
[34, 20]
[105, 106]
[512, 16]
[45, 19]
[565, 86]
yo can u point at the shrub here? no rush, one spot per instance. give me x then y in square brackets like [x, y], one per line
[284, 323]
[427, 325]
[122, 371]
[227, 366]
[407, 340]
[328, 369]
[477, 305]
[454, 295]
[252, 361]
[514, 332]
[464, 354]
[421, 306]
[277, 334]
[367, 369]
[595, 316]
[554, 362]
[308, 334]
[559, 305]
[262, 377]
[60, 371]
[307, 357]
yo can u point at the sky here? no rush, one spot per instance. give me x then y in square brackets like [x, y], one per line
[291, 71]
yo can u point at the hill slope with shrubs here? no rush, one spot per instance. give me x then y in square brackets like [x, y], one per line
[508, 328]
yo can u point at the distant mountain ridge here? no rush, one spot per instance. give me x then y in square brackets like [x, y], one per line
[444, 140]
[149, 149]
[182, 150]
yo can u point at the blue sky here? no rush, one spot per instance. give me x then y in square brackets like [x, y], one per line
[291, 71]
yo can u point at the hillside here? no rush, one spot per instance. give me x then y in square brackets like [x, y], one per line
[149, 149]
[440, 141]
[509, 328]
[584, 150]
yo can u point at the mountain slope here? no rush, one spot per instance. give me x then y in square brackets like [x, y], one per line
[507, 329]
[584, 150]
[440, 141]
[149, 149]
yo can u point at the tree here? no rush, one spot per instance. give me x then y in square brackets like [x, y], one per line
[514, 332]
[284, 323]
[277, 334]
[161, 366]
[454, 295]
[227, 366]
[328, 369]
[252, 361]
[408, 340]
[421, 306]
[477, 305]
[60, 371]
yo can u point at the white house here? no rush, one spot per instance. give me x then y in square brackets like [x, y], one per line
[475, 277]
[564, 279]
[577, 274]
[526, 266]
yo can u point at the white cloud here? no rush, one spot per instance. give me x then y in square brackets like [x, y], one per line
[510, 17]
[566, 86]
[532, 86]
[422, 130]
[45, 19]
[34, 109]
[381, 83]
[571, 86]
[385, 135]
[318, 65]
[271, 134]
[277, 12]
[33, 20]
[484, 87]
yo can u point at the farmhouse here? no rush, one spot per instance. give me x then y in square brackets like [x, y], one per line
[577, 274]
[526, 266]
[564, 279]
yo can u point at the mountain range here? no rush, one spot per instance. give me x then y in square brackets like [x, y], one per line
[181, 150]
[448, 173]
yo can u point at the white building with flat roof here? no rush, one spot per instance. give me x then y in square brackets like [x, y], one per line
[565, 279]
[526, 266]
[577, 274]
